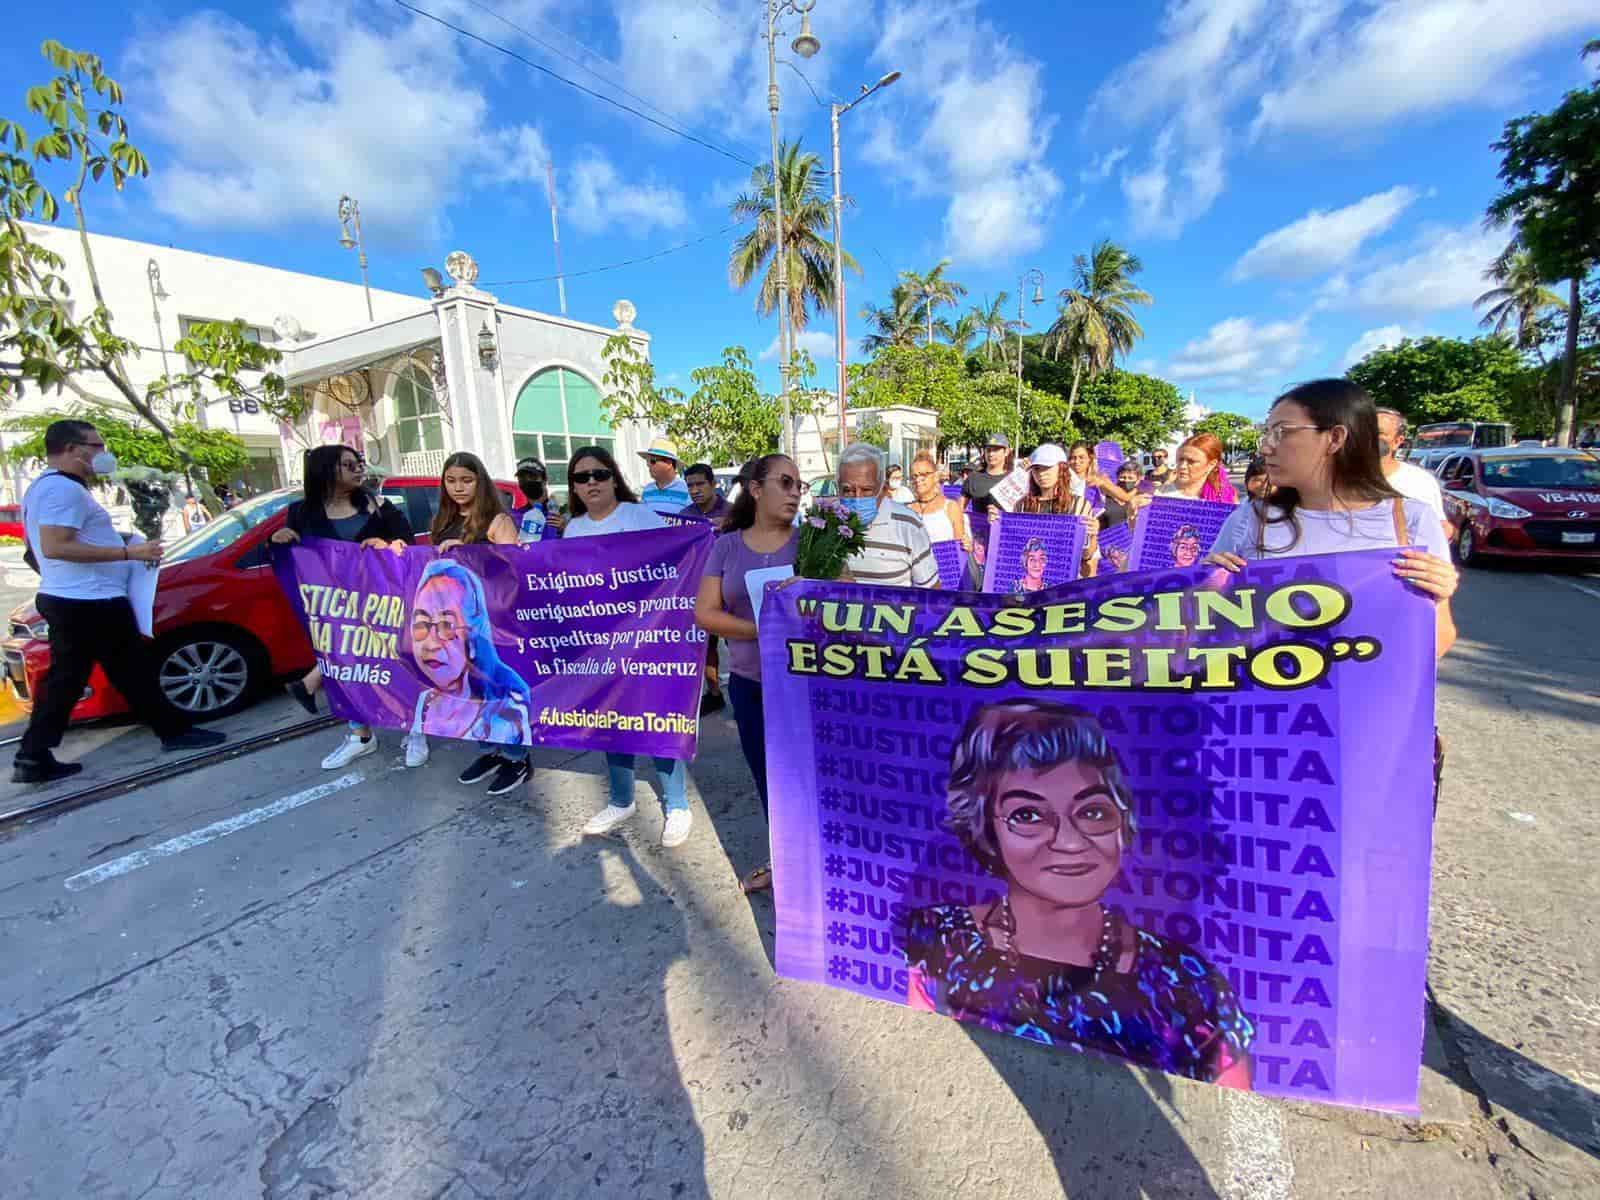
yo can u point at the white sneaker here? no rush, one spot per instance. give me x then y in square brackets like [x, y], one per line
[607, 819]
[416, 751]
[349, 750]
[676, 830]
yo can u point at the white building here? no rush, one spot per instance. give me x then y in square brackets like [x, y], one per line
[429, 375]
[909, 429]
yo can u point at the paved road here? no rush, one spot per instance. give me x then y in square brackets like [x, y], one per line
[384, 985]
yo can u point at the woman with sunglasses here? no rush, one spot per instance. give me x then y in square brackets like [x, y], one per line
[337, 508]
[602, 503]
[759, 532]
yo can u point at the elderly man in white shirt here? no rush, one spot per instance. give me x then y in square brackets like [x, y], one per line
[1409, 480]
[896, 550]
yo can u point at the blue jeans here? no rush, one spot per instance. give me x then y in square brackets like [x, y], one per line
[674, 774]
[511, 753]
[752, 723]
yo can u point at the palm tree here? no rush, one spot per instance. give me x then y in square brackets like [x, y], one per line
[932, 290]
[1096, 322]
[1519, 297]
[894, 324]
[961, 332]
[806, 219]
[994, 325]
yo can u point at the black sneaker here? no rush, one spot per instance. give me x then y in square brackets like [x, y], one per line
[481, 768]
[42, 770]
[302, 697]
[509, 776]
[194, 739]
[711, 702]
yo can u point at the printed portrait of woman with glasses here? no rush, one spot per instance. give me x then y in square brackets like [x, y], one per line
[471, 692]
[1036, 796]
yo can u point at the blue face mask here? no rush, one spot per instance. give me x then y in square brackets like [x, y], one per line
[865, 507]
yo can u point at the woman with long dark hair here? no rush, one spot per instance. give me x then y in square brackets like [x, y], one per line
[1050, 490]
[1330, 495]
[1199, 473]
[758, 532]
[336, 507]
[602, 503]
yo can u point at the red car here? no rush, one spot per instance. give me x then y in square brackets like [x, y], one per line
[223, 627]
[1523, 501]
[11, 521]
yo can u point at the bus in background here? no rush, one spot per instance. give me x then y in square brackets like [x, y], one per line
[1433, 443]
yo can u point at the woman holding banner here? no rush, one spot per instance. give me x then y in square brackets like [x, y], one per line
[1050, 491]
[758, 534]
[1037, 798]
[470, 513]
[601, 503]
[1199, 473]
[337, 508]
[941, 516]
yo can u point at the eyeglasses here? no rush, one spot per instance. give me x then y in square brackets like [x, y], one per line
[598, 475]
[445, 629]
[784, 483]
[1273, 434]
[1092, 816]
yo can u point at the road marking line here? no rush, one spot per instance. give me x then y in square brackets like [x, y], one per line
[1258, 1163]
[1587, 590]
[209, 833]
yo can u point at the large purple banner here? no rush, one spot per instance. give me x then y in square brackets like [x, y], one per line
[1181, 819]
[588, 643]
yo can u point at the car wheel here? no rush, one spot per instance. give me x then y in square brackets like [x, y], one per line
[1467, 545]
[208, 674]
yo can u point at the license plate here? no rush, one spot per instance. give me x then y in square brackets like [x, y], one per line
[1578, 539]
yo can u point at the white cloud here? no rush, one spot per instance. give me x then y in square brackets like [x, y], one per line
[599, 199]
[257, 135]
[1373, 339]
[684, 57]
[978, 106]
[1240, 353]
[1100, 167]
[815, 342]
[1322, 239]
[1443, 271]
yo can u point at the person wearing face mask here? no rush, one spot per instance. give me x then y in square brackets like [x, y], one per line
[1410, 480]
[536, 520]
[895, 550]
[83, 593]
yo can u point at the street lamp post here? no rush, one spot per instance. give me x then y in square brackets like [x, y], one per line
[350, 236]
[836, 111]
[805, 46]
[152, 271]
[1033, 277]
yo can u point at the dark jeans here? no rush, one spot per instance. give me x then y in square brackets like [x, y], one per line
[82, 633]
[747, 715]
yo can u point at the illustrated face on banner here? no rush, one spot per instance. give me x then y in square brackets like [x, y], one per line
[1034, 560]
[439, 633]
[1059, 831]
[1174, 532]
[1186, 549]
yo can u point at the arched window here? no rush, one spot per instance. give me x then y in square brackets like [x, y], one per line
[418, 424]
[557, 411]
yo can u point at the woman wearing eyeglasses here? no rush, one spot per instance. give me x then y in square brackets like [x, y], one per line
[337, 508]
[601, 503]
[1037, 798]
[759, 532]
[471, 692]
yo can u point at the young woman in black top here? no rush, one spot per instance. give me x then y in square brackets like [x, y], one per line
[336, 507]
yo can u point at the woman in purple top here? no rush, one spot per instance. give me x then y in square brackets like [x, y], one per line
[759, 532]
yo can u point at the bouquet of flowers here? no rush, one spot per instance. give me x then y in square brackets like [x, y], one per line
[829, 535]
[150, 492]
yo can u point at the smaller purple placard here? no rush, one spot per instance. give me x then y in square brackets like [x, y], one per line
[1029, 552]
[1116, 549]
[1174, 532]
[952, 560]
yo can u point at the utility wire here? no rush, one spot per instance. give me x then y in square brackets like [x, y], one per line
[540, 67]
[632, 262]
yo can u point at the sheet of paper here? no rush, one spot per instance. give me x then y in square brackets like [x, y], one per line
[755, 583]
[1010, 490]
[142, 580]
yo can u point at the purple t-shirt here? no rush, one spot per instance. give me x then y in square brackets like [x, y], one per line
[731, 559]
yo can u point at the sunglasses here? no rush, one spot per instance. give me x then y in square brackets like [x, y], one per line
[599, 475]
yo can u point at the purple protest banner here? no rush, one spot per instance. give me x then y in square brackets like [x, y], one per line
[1032, 551]
[1115, 549]
[952, 560]
[952, 491]
[1182, 819]
[1173, 532]
[1107, 459]
[589, 644]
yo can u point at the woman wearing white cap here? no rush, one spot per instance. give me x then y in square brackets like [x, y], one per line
[1050, 491]
[666, 492]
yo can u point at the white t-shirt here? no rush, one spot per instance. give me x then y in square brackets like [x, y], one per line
[1331, 532]
[56, 499]
[938, 524]
[1412, 482]
[624, 518]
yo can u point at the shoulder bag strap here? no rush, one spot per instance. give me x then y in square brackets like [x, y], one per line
[1401, 537]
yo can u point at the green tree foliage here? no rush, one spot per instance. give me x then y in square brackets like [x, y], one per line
[1232, 430]
[893, 324]
[1138, 412]
[217, 452]
[1441, 379]
[871, 430]
[1096, 321]
[85, 138]
[1550, 167]
[921, 376]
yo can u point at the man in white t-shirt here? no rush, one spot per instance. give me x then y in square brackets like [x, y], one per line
[1409, 480]
[83, 565]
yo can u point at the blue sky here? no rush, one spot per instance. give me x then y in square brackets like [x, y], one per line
[1302, 178]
